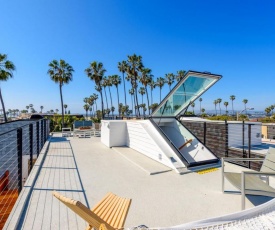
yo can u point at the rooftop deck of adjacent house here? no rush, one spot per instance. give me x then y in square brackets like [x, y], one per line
[84, 169]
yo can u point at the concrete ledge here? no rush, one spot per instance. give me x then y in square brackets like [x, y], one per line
[143, 162]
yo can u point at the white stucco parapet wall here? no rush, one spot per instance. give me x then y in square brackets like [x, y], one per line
[142, 137]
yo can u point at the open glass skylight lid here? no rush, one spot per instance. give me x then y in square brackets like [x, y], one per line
[192, 86]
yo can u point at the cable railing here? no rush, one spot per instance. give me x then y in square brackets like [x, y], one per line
[231, 139]
[20, 144]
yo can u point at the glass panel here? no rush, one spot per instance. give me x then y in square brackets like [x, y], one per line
[185, 93]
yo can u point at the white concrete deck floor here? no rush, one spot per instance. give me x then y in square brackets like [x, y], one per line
[84, 167]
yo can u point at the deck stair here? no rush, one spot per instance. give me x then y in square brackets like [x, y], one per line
[7, 201]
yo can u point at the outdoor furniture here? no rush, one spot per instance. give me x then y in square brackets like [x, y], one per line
[109, 213]
[83, 129]
[66, 132]
[97, 129]
[251, 182]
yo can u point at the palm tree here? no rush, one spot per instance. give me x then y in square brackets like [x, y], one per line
[27, 107]
[95, 96]
[141, 91]
[180, 75]
[134, 66]
[95, 72]
[152, 85]
[113, 109]
[160, 83]
[6, 72]
[267, 110]
[122, 67]
[116, 80]
[65, 107]
[215, 103]
[193, 106]
[109, 84]
[105, 84]
[272, 108]
[202, 110]
[56, 110]
[219, 100]
[86, 108]
[200, 100]
[41, 107]
[61, 73]
[170, 78]
[226, 104]
[90, 109]
[145, 79]
[31, 108]
[232, 98]
[245, 102]
[132, 92]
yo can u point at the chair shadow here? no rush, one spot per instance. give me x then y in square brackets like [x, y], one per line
[58, 139]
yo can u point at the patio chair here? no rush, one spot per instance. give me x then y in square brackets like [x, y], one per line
[109, 213]
[251, 182]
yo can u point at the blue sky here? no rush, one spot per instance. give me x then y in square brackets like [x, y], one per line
[233, 38]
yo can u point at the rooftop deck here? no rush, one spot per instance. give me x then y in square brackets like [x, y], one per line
[84, 169]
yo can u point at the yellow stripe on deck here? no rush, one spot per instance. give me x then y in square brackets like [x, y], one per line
[207, 170]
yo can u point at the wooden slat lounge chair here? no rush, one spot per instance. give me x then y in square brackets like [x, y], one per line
[109, 213]
[251, 182]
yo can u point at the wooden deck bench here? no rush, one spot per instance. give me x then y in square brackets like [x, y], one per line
[109, 213]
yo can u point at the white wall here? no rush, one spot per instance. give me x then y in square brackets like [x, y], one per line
[114, 133]
[140, 140]
[142, 137]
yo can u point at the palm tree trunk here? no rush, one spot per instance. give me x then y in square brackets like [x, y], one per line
[132, 96]
[110, 97]
[117, 100]
[151, 96]
[159, 95]
[135, 104]
[147, 99]
[62, 108]
[124, 88]
[3, 107]
[102, 104]
[232, 108]
[138, 113]
[106, 98]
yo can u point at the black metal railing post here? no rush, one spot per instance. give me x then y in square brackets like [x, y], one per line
[45, 130]
[243, 138]
[226, 138]
[19, 157]
[37, 139]
[249, 144]
[204, 133]
[42, 132]
[31, 145]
